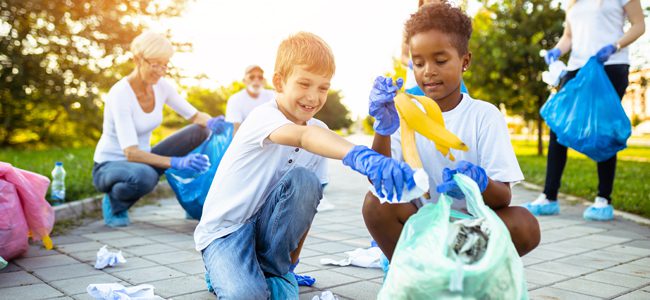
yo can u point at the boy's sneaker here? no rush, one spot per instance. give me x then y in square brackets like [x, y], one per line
[120, 219]
[599, 211]
[542, 206]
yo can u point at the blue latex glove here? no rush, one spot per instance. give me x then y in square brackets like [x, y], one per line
[552, 55]
[217, 124]
[195, 162]
[473, 171]
[382, 107]
[381, 170]
[303, 280]
[605, 52]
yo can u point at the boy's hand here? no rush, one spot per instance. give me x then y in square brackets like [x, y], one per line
[473, 171]
[381, 170]
[382, 107]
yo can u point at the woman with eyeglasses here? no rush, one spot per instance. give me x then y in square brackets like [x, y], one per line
[126, 166]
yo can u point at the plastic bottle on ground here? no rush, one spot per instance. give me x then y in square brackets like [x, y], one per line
[57, 192]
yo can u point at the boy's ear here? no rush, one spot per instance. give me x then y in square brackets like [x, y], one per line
[467, 60]
[277, 82]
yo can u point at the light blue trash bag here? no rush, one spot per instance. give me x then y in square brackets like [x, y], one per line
[587, 115]
[283, 287]
[422, 269]
[191, 187]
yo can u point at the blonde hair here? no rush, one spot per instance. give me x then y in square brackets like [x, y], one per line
[305, 49]
[151, 44]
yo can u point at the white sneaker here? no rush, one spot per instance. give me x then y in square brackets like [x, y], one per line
[325, 205]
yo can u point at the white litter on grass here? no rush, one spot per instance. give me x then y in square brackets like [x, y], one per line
[116, 291]
[326, 295]
[106, 258]
[421, 186]
[365, 258]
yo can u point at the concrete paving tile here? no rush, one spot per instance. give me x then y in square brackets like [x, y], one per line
[77, 247]
[546, 293]
[138, 276]
[626, 249]
[16, 279]
[531, 286]
[606, 238]
[545, 254]
[34, 291]
[563, 269]
[642, 262]
[635, 295]
[178, 286]
[86, 256]
[363, 273]
[131, 263]
[68, 239]
[618, 257]
[149, 249]
[75, 286]
[326, 279]
[196, 296]
[592, 288]
[11, 267]
[632, 269]
[148, 231]
[541, 277]
[170, 238]
[337, 227]
[107, 235]
[574, 247]
[61, 298]
[334, 236]
[65, 272]
[528, 260]
[315, 260]
[38, 250]
[128, 242]
[358, 290]
[312, 240]
[625, 280]
[173, 257]
[83, 296]
[591, 262]
[332, 247]
[189, 267]
[645, 244]
[34, 263]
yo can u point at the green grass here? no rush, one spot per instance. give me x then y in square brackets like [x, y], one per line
[580, 178]
[78, 164]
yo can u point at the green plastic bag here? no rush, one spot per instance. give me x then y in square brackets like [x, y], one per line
[421, 268]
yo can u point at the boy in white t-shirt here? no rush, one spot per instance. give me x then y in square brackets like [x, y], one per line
[438, 36]
[243, 102]
[264, 195]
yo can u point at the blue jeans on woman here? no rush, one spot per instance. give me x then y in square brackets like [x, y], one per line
[125, 182]
[239, 263]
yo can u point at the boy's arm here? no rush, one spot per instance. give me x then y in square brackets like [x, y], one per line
[497, 194]
[314, 139]
[381, 144]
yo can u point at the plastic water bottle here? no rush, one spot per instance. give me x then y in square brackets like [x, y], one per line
[57, 193]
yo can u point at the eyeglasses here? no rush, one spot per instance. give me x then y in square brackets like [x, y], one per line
[156, 66]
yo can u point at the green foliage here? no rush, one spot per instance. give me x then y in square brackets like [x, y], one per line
[505, 45]
[78, 164]
[367, 124]
[57, 57]
[334, 113]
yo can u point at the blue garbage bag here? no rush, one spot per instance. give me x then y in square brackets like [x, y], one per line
[191, 187]
[587, 115]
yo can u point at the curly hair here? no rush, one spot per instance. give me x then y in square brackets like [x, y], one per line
[442, 17]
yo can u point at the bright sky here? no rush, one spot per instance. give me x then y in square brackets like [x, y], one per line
[229, 35]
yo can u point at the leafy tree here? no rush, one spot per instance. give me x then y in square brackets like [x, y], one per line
[57, 57]
[506, 66]
[334, 113]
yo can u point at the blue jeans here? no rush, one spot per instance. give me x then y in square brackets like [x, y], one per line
[239, 262]
[125, 182]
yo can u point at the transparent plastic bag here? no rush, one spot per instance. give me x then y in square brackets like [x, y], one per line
[421, 267]
[587, 115]
[190, 187]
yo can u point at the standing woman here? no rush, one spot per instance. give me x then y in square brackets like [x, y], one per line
[126, 167]
[592, 27]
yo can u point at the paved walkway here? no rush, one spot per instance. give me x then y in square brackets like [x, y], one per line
[576, 260]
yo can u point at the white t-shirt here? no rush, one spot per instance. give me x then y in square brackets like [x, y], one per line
[250, 168]
[241, 104]
[482, 127]
[126, 124]
[595, 24]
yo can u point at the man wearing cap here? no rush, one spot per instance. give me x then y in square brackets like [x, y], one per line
[243, 102]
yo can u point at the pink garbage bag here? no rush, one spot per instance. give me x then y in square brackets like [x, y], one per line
[13, 227]
[31, 189]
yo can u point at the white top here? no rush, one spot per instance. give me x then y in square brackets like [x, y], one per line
[483, 129]
[595, 24]
[126, 124]
[241, 104]
[250, 168]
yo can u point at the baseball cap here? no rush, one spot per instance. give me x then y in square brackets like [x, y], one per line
[253, 67]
